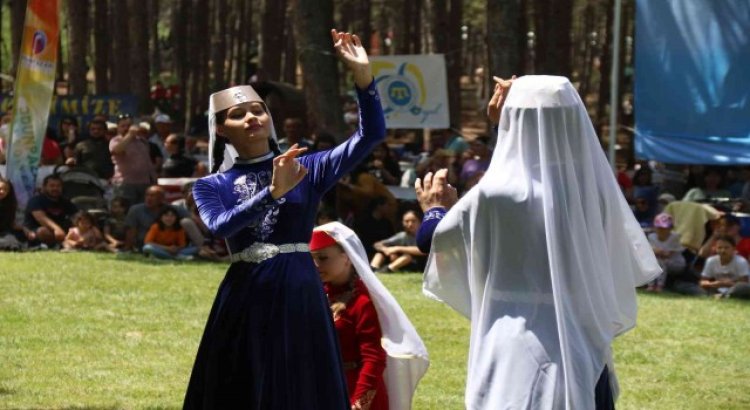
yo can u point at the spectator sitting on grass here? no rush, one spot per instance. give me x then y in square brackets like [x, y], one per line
[373, 225]
[726, 273]
[668, 251]
[727, 225]
[141, 216]
[48, 214]
[12, 236]
[84, 235]
[115, 229]
[166, 239]
[400, 252]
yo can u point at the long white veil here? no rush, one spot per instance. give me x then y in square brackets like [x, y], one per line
[546, 236]
[407, 358]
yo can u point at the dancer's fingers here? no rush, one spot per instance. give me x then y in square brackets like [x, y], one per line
[427, 183]
[440, 179]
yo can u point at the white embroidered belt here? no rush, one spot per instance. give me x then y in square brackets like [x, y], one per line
[259, 251]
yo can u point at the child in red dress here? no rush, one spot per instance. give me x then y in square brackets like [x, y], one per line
[372, 329]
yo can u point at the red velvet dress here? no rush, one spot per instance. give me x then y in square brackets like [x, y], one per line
[362, 353]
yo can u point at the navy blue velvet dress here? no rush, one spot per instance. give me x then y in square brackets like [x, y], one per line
[270, 342]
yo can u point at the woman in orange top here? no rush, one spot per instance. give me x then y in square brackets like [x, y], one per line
[166, 239]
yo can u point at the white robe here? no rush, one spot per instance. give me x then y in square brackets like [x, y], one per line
[543, 256]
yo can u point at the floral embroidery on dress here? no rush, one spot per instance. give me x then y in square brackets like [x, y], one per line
[247, 186]
[365, 400]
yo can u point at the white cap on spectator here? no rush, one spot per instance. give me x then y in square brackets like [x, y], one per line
[111, 126]
[162, 118]
[145, 125]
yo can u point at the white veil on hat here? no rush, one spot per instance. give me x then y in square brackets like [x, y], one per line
[407, 359]
[543, 255]
[224, 100]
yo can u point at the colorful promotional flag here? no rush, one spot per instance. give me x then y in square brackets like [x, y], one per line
[413, 90]
[35, 81]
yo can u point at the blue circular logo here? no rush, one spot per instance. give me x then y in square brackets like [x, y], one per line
[400, 93]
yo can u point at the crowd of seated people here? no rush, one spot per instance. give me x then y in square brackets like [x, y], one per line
[701, 241]
[690, 236]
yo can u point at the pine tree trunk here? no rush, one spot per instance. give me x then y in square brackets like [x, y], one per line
[17, 20]
[200, 29]
[553, 24]
[444, 41]
[605, 66]
[244, 25]
[364, 22]
[439, 20]
[320, 75]
[503, 36]
[78, 21]
[272, 37]
[290, 53]
[2, 30]
[102, 45]
[415, 32]
[140, 83]
[232, 39]
[453, 59]
[219, 45]
[153, 30]
[402, 28]
[179, 38]
[60, 68]
[587, 63]
[120, 57]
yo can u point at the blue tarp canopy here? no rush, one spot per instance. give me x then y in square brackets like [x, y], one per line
[692, 84]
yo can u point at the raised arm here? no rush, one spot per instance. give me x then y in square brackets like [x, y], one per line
[328, 166]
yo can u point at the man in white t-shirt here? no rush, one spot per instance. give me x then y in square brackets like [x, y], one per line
[726, 273]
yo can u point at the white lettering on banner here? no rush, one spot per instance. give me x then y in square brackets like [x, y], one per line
[33, 63]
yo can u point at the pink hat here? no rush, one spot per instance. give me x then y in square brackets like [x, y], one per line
[663, 220]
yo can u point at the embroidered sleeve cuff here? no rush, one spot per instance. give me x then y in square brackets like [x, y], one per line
[434, 213]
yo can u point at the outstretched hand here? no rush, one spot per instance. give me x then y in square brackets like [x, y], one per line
[287, 172]
[351, 52]
[495, 106]
[435, 191]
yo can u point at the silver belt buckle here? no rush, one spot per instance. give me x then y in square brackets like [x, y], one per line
[258, 252]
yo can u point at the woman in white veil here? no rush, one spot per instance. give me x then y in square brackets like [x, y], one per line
[543, 256]
[406, 359]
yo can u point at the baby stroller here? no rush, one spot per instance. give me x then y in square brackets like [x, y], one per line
[84, 188]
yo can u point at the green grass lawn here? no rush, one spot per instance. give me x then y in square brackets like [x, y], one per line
[94, 331]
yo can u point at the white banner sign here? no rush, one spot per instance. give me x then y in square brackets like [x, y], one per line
[413, 90]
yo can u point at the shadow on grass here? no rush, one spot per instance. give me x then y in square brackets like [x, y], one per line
[146, 260]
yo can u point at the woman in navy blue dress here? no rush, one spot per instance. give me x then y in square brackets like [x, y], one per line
[269, 342]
